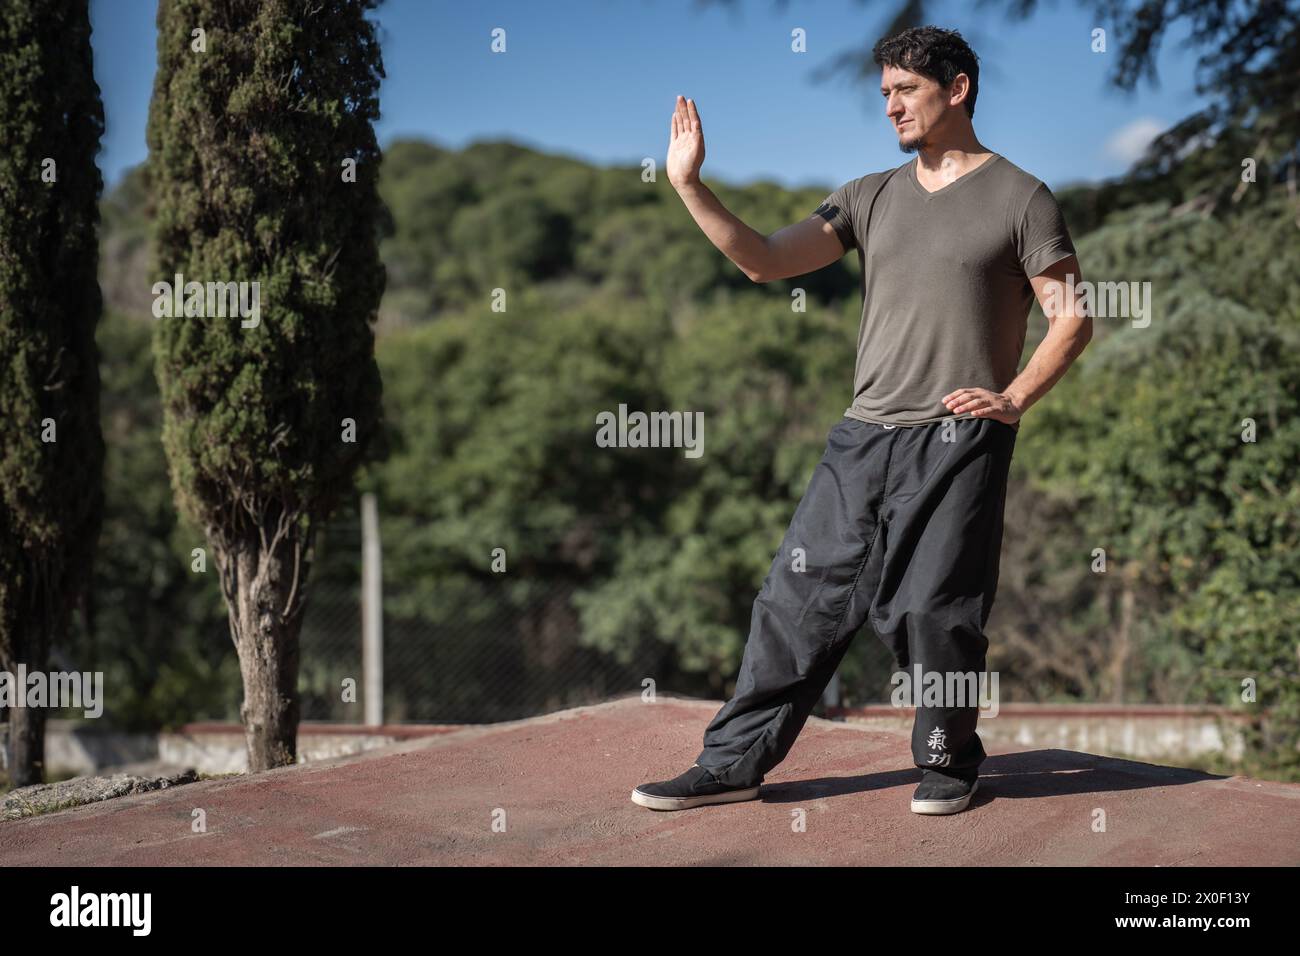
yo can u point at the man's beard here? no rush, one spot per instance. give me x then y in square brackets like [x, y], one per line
[912, 146]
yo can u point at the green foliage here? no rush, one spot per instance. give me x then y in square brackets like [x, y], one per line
[769, 382]
[1201, 522]
[125, 247]
[493, 419]
[1250, 258]
[1134, 396]
[50, 491]
[247, 142]
[156, 628]
[498, 215]
[497, 449]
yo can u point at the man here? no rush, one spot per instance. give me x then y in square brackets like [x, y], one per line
[901, 523]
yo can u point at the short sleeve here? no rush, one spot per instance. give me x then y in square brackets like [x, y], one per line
[837, 210]
[1041, 236]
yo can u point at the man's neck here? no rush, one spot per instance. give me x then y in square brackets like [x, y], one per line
[958, 154]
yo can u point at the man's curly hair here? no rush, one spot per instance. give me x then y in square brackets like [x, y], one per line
[934, 52]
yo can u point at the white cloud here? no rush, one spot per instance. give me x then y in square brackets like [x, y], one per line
[1129, 142]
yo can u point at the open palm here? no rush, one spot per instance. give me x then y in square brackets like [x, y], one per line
[686, 144]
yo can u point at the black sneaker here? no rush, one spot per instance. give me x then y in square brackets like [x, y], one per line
[942, 793]
[695, 788]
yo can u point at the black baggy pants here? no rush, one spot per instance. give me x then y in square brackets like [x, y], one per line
[901, 526]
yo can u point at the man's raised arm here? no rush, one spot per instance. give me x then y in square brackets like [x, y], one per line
[793, 250]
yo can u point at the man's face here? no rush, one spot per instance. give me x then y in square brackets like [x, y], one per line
[916, 105]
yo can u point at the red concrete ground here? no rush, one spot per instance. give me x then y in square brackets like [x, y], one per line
[563, 782]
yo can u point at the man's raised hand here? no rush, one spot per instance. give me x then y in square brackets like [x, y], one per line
[685, 145]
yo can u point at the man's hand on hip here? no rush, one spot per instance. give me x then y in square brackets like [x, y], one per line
[982, 403]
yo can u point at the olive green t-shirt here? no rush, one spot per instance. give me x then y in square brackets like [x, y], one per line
[945, 282]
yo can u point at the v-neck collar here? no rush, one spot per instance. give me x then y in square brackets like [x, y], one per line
[943, 190]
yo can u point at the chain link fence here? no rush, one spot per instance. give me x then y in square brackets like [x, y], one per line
[498, 661]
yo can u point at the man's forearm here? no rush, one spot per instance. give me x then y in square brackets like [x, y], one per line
[1060, 347]
[744, 246]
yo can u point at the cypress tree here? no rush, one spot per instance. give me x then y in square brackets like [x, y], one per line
[51, 449]
[263, 164]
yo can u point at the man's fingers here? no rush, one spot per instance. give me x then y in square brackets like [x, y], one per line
[695, 123]
[980, 402]
[970, 402]
[967, 393]
[686, 116]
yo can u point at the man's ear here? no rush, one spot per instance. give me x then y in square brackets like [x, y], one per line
[958, 89]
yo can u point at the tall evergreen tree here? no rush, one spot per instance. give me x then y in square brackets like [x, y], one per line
[263, 163]
[51, 450]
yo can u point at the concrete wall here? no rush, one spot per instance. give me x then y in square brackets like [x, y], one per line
[1156, 733]
[73, 747]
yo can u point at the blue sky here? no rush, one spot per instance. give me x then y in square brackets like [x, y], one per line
[596, 79]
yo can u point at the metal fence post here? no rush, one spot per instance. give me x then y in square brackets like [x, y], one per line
[372, 613]
[831, 695]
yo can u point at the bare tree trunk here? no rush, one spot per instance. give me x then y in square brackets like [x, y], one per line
[26, 745]
[263, 586]
[42, 617]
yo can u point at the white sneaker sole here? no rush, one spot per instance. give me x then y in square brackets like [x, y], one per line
[685, 803]
[955, 805]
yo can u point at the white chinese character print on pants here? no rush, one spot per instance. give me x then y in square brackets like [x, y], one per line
[936, 740]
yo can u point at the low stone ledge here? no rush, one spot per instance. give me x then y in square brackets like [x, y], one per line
[48, 797]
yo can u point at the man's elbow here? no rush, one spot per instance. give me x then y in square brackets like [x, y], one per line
[1083, 334]
[756, 262]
